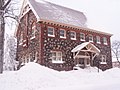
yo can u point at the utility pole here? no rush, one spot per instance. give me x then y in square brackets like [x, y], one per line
[2, 30]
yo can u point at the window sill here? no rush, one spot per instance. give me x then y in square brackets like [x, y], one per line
[91, 41]
[58, 62]
[51, 35]
[73, 38]
[82, 39]
[98, 42]
[103, 63]
[105, 43]
[62, 37]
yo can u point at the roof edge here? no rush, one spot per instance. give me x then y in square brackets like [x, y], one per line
[85, 28]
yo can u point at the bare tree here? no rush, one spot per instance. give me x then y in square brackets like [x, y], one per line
[6, 10]
[116, 50]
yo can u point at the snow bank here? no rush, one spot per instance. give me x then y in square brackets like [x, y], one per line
[36, 77]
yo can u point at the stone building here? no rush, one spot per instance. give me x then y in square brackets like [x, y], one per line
[57, 37]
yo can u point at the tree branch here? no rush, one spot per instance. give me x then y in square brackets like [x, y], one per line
[7, 3]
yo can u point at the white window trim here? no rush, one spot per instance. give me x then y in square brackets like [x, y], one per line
[83, 37]
[103, 62]
[33, 32]
[64, 34]
[53, 32]
[105, 43]
[21, 39]
[89, 38]
[71, 37]
[97, 39]
[57, 61]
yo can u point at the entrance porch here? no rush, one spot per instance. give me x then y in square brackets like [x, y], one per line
[84, 54]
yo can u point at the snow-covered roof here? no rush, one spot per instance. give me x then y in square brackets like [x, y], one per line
[81, 46]
[48, 11]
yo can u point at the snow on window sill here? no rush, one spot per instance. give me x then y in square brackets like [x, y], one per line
[62, 37]
[91, 41]
[32, 38]
[51, 35]
[82, 39]
[99, 42]
[57, 61]
[73, 38]
[103, 63]
[105, 44]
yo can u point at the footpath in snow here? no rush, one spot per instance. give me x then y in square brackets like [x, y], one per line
[36, 77]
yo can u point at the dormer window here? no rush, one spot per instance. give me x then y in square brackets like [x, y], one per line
[62, 33]
[73, 35]
[105, 40]
[98, 39]
[82, 36]
[90, 38]
[51, 32]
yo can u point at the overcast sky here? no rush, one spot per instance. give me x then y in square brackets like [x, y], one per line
[103, 15]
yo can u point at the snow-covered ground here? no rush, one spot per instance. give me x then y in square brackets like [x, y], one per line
[36, 77]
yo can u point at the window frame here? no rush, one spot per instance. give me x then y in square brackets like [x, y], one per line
[105, 42]
[64, 33]
[34, 29]
[90, 35]
[82, 38]
[74, 35]
[53, 35]
[56, 56]
[103, 59]
[98, 39]
[21, 38]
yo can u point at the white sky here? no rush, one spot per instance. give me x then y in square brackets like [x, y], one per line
[103, 15]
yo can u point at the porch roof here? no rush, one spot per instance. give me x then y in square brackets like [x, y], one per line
[89, 46]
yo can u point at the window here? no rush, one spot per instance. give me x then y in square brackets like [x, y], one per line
[98, 39]
[51, 31]
[90, 38]
[21, 39]
[105, 40]
[103, 59]
[56, 57]
[33, 31]
[73, 35]
[62, 33]
[82, 36]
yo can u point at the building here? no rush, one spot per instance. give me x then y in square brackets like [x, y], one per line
[57, 37]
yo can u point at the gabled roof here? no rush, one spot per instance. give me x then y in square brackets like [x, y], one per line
[48, 11]
[89, 45]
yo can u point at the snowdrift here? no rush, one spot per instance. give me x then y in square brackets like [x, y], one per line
[36, 77]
